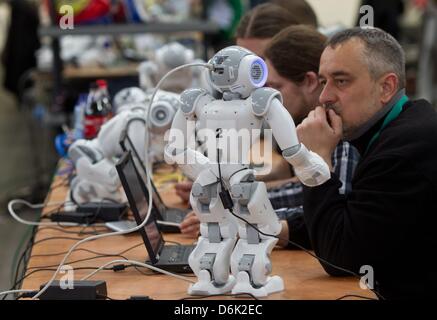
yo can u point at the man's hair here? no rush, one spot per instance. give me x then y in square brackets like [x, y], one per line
[382, 53]
[264, 21]
[295, 51]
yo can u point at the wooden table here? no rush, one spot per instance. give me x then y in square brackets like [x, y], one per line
[303, 276]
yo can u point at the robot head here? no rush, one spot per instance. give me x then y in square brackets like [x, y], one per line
[128, 96]
[237, 70]
[173, 55]
[163, 111]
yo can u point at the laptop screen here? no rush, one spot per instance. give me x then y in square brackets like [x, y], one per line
[127, 145]
[135, 189]
[137, 196]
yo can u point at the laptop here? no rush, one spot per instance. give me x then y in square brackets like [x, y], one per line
[167, 217]
[173, 258]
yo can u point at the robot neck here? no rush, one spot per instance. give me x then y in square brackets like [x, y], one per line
[228, 96]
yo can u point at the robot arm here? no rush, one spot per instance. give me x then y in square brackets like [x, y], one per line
[96, 178]
[181, 147]
[309, 167]
[147, 73]
[108, 137]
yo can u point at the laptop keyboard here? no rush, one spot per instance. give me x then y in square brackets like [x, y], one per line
[174, 215]
[178, 253]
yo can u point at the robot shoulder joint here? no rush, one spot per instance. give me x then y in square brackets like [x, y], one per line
[190, 99]
[262, 99]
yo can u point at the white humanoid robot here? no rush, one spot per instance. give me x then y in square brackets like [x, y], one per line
[239, 75]
[94, 160]
[166, 58]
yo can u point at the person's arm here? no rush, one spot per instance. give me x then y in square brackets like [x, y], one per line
[190, 226]
[294, 234]
[183, 190]
[290, 195]
[373, 223]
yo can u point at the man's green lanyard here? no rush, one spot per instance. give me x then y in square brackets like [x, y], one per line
[393, 114]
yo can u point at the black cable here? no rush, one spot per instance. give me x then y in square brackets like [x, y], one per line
[87, 250]
[220, 295]
[174, 242]
[80, 232]
[107, 298]
[98, 256]
[356, 296]
[30, 245]
[27, 295]
[115, 268]
[33, 293]
[52, 270]
[96, 213]
[23, 258]
[61, 183]
[56, 238]
[80, 260]
[120, 254]
[228, 204]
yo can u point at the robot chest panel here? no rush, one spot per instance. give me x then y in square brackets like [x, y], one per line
[236, 114]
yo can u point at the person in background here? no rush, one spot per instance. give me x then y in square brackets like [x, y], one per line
[259, 25]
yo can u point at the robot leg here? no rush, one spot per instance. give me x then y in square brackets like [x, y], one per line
[210, 259]
[250, 260]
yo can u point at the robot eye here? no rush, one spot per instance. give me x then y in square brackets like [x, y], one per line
[161, 115]
[257, 72]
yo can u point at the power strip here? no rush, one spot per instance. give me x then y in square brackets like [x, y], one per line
[77, 290]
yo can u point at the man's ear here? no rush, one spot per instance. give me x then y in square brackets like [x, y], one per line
[388, 87]
[311, 82]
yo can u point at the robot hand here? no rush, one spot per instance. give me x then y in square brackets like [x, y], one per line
[309, 167]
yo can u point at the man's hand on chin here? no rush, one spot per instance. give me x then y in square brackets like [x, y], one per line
[320, 132]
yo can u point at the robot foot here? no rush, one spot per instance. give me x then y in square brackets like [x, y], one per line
[204, 285]
[243, 285]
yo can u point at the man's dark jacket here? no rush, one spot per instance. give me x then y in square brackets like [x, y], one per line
[389, 220]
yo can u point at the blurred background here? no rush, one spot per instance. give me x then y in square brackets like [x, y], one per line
[44, 69]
